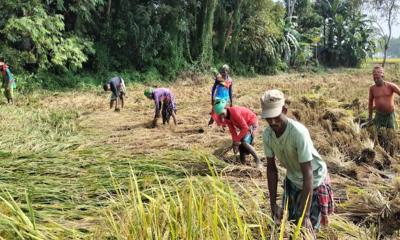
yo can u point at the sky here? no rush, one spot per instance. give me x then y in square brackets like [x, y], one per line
[395, 29]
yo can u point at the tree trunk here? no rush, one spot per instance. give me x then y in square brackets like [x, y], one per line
[324, 32]
[387, 41]
[236, 30]
[109, 8]
[207, 33]
[227, 35]
[290, 9]
[385, 54]
[78, 20]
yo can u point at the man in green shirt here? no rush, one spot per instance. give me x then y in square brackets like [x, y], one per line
[306, 174]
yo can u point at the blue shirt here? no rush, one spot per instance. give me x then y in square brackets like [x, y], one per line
[222, 90]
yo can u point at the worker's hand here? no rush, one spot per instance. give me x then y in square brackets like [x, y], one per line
[307, 222]
[308, 225]
[277, 214]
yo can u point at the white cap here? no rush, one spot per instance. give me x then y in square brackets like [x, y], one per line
[225, 67]
[272, 102]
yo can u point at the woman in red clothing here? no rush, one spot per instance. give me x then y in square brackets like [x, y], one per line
[244, 120]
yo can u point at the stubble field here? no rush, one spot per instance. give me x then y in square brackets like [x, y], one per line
[73, 169]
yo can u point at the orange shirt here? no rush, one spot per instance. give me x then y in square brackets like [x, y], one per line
[383, 97]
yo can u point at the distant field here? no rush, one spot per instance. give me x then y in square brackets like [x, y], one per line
[380, 60]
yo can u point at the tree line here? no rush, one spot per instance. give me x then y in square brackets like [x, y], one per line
[394, 49]
[169, 36]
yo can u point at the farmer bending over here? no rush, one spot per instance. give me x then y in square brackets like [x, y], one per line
[222, 89]
[164, 101]
[244, 120]
[306, 172]
[8, 82]
[117, 86]
[381, 98]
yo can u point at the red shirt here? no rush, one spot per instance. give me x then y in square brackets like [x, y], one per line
[383, 97]
[4, 70]
[240, 118]
[217, 119]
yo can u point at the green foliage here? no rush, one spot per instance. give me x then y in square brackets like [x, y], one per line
[157, 40]
[46, 44]
[332, 32]
[70, 53]
[304, 56]
[14, 57]
[26, 83]
[257, 44]
[348, 33]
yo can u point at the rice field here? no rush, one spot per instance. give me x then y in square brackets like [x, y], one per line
[380, 60]
[73, 169]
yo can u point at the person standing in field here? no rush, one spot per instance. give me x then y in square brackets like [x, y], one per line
[306, 186]
[117, 86]
[381, 99]
[221, 90]
[164, 101]
[8, 82]
[243, 120]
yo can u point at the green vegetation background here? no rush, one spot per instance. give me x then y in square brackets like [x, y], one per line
[64, 43]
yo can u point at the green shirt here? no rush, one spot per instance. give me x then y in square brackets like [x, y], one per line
[291, 149]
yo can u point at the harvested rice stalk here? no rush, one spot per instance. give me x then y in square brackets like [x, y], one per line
[242, 171]
[369, 205]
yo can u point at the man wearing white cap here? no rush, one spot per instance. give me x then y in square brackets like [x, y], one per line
[289, 141]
